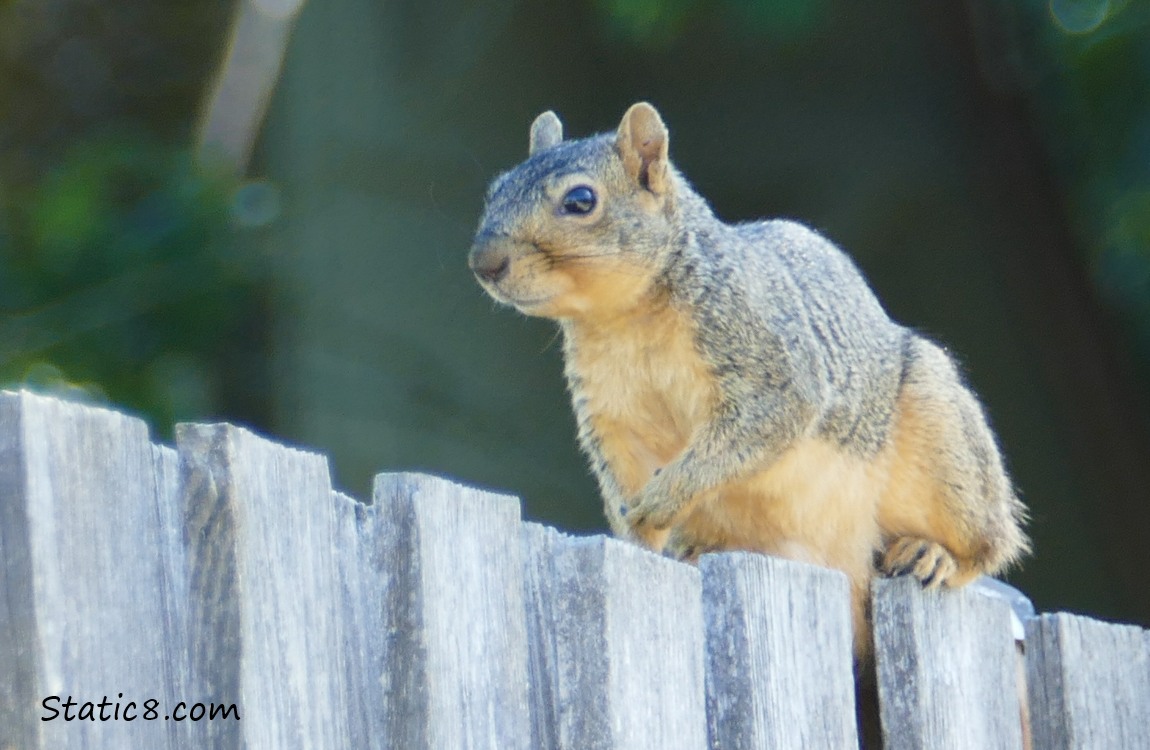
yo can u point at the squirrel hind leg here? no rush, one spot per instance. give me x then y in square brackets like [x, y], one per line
[949, 501]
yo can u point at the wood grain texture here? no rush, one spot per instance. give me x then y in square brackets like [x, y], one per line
[266, 621]
[779, 661]
[456, 661]
[542, 599]
[1089, 684]
[174, 591]
[946, 668]
[82, 573]
[617, 646]
[366, 580]
[229, 571]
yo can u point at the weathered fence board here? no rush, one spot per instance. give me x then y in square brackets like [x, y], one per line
[169, 503]
[946, 669]
[82, 606]
[229, 572]
[544, 612]
[1089, 684]
[456, 673]
[778, 654]
[264, 628]
[366, 579]
[617, 646]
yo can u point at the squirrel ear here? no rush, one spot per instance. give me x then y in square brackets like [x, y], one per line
[546, 131]
[642, 145]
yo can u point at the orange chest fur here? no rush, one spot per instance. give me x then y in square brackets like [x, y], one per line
[646, 390]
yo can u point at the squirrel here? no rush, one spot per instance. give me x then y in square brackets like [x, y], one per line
[740, 387]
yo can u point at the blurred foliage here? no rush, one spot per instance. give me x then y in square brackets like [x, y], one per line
[126, 269]
[120, 279]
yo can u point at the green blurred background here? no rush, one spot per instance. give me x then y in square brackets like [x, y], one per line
[986, 162]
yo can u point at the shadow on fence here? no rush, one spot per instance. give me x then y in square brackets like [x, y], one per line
[223, 595]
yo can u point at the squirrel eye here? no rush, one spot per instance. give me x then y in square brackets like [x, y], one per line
[579, 200]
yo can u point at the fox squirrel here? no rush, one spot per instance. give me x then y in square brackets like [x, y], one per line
[740, 386]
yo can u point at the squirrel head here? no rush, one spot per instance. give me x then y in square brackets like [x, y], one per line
[582, 228]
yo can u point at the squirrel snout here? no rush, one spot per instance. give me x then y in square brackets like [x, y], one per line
[488, 263]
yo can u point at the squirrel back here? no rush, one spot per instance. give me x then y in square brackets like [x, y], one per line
[740, 386]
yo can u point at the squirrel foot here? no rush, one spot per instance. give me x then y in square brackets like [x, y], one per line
[928, 561]
[685, 549]
[649, 522]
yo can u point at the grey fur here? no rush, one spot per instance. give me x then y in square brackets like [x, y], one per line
[799, 345]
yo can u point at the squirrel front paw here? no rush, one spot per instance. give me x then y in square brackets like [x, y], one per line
[649, 521]
[928, 561]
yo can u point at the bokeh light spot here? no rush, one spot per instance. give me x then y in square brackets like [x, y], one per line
[1079, 16]
[256, 204]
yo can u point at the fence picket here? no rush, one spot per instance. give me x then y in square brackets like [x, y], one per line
[81, 569]
[778, 654]
[1089, 684]
[174, 594]
[619, 634]
[946, 668]
[366, 580]
[456, 671]
[266, 624]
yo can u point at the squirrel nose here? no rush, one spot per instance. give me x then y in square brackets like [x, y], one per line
[489, 265]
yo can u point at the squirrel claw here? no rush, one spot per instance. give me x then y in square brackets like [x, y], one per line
[930, 562]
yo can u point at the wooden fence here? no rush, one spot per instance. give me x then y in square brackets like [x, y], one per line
[221, 594]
